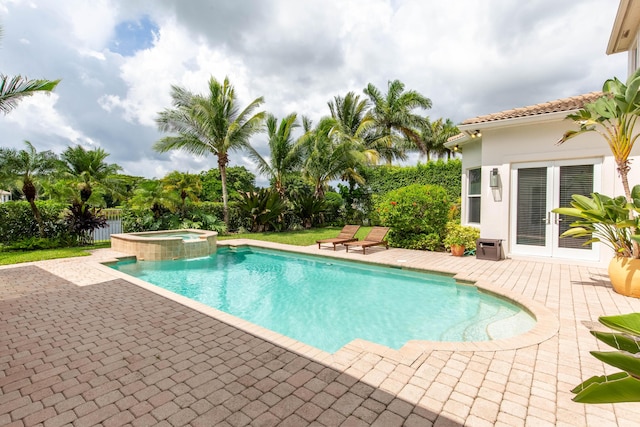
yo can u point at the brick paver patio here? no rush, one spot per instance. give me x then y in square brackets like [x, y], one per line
[82, 346]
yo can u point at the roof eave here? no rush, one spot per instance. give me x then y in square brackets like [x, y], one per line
[619, 41]
[468, 129]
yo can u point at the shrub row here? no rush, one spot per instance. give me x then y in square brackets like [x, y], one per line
[18, 223]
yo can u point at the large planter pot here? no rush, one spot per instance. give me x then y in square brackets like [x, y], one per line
[457, 250]
[625, 276]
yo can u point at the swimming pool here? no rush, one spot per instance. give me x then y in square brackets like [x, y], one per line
[328, 303]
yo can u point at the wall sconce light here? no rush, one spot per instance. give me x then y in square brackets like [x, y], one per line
[476, 134]
[456, 148]
[494, 178]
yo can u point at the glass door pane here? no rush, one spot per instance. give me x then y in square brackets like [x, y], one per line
[531, 218]
[577, 179]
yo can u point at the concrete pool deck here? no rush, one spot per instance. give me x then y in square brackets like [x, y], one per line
[82, 345]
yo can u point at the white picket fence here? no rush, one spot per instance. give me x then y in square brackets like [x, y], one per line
[114, 221]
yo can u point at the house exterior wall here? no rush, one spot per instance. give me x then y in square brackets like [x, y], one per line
[634, 54]
[508, 146]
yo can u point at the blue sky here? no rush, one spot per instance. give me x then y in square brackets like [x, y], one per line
[118, 59]
[131, 36]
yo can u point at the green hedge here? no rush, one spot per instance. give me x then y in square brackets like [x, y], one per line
[18, 223]
[382, 179]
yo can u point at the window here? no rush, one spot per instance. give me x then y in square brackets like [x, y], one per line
[473, 195]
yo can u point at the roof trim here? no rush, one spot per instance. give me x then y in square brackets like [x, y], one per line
[625, 27]
[562, 105]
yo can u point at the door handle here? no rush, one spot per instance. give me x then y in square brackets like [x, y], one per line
[547, 220]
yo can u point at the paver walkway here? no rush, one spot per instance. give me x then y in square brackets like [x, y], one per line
[81, 346]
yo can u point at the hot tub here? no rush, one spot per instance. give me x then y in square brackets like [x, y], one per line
[166, 244]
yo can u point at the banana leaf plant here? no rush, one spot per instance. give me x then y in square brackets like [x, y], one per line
[612, 221]
[622, 386]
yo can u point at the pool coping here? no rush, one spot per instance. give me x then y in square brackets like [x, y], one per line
[546, 327]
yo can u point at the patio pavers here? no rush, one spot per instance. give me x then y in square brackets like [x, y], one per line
[82, 346]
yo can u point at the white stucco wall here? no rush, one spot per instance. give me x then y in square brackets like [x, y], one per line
[526, 141]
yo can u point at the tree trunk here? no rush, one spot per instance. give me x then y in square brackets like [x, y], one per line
[223, 159]
[623, 170]
[29, 191]
[38, 217]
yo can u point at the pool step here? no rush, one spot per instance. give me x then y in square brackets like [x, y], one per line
[510, 326]
[467, 329]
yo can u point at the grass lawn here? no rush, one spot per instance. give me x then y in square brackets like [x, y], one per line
[298, 238]
[15, 257]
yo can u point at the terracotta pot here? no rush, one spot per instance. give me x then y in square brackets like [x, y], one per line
[457, 250]
[625, 276]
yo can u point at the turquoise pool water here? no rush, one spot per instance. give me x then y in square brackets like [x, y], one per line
[328, 303]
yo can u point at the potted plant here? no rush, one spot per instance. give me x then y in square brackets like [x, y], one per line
[460, 237]
[613, 116]
[614, 222]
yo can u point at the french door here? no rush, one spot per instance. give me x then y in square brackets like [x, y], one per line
[537, 189]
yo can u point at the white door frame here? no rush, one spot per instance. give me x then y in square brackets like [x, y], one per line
[551, 248]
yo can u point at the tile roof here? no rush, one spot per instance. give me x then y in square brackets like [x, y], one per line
[559, 105]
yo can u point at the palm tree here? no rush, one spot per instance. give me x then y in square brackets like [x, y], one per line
[434, 134]
[13, 89]
[284, 155]
[394, 119]
[209, 124]
[327, 157]
[187, 186]
[24, 169]
[353, 123]
[89, 170]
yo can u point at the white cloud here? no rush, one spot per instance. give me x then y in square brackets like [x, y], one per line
[49, 121]
[470, 57]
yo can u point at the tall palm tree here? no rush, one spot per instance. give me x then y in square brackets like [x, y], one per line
[13, 89]
[434, 134]
[211, 124]
[284, 155]
[327, 157]
[395, 121]
[89, 170]
[24, 169]
[353, 123]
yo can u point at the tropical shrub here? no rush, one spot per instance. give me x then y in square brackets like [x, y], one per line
[417, 215]
[197, 216]
[622, 386]
[264, 208]
[334, 208]
[18, 223]
[308, 208]
[82, 220]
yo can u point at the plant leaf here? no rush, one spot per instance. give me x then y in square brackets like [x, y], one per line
[614, 388]
[620, 359]
[619, 341]
[629, 322]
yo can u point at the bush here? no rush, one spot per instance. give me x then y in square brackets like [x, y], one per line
[18, 223]
[265, 208]
[417, 215]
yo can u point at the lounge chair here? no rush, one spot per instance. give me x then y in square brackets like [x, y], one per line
[374, 238]
[348, 234]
